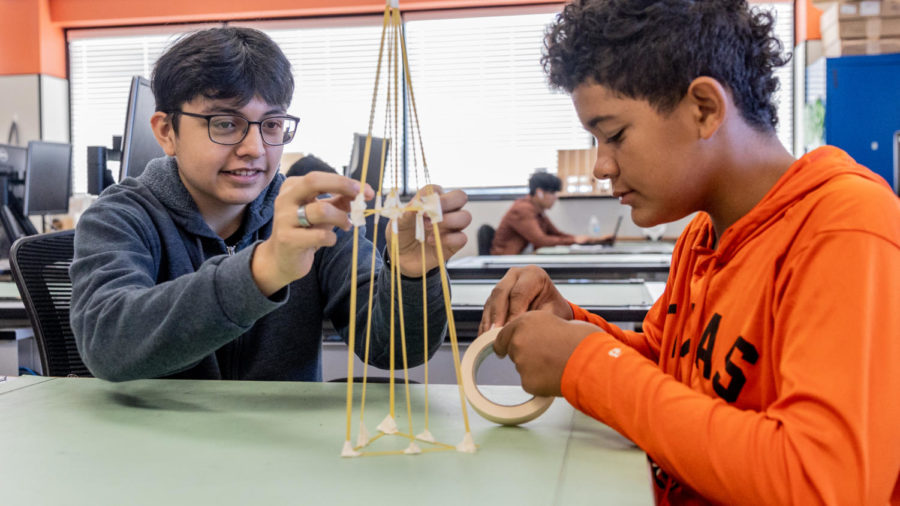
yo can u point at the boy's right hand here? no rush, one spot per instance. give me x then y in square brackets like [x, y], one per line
[522, 289]
[287, 255]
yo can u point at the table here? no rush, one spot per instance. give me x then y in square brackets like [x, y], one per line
[618, 300]
[615, 300]
[620, 247]
[87, 441]
[12, 310]
[646, 266]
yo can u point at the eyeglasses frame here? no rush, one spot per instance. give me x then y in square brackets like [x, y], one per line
[208, 117]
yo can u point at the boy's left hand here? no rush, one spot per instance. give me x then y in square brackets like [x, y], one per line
[455, 219]
[540, 344]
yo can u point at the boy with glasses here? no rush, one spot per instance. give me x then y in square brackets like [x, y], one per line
[767, 371]
[212, 265]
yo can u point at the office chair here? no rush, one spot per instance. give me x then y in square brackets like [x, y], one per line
[485, 238]
[40, 267]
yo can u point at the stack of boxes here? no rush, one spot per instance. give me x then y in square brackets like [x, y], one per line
[852, 27]
[575, 167]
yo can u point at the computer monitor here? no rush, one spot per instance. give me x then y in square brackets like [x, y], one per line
[379, 146]
[13, 223]
[354, 171]
[12, 160]
[139, 145]
[48, 178]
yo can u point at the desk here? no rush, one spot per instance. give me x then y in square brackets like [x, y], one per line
[87, 441]
[12, 310]
[626, 300]
[646, 266]
[638, 247]
[623, 301]
[618, 300]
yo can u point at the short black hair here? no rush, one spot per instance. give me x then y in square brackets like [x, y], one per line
[653, 49]
[544, 181]
[222, 63]
[307, 164]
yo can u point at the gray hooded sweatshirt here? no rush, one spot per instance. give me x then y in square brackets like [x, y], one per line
[156, 293]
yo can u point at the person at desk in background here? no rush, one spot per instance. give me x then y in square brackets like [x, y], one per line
[767, 372]
[307, 164]
[212, 265]
[526, 222]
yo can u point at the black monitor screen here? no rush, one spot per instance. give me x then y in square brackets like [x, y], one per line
[48, 178]
[139, 146]
[379, 146]
[12, 160]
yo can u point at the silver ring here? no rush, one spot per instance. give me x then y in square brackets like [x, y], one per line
[302, 219]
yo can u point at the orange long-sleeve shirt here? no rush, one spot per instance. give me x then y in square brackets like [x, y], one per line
[768, 372]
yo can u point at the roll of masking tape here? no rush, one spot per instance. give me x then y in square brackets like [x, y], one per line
[479, 350]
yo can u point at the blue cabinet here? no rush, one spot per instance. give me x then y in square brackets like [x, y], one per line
[862, 110]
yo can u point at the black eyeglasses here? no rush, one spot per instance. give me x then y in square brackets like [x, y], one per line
[231, 129]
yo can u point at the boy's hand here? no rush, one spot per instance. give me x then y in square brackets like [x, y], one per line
[522, 289]
[455, 219]
[540, 344]
[288, 253]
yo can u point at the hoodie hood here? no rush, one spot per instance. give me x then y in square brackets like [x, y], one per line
[803, 177]
[161, 178]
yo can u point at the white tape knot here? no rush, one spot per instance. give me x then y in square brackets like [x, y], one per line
[431, 204]
[357, 211]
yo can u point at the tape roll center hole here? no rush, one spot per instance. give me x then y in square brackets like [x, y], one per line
[496, 371]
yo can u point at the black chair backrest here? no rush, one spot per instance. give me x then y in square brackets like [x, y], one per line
[485, 238]
[40, 267]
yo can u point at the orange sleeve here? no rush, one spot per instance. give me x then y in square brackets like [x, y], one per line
[831, 435]
[646, 343]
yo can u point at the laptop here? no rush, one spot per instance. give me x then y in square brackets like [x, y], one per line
[607, 241]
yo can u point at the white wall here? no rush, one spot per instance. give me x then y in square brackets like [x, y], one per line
[54, 109]
[569, 215]
[19, 100]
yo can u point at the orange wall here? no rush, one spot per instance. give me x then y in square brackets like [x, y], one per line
[29, 41]
[79, 13]
[32, 38]
[806, 21]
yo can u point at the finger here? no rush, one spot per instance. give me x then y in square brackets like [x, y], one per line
[502, 341]
[451, 243]
[455, 221]
[495, 307]
[310, 238]
[323, 213]
[520, 298]
[429, 189]
[343, 201]
[454, 200]
[302, 189]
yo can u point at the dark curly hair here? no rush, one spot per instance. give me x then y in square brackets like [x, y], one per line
[653, 49]
[222, 63]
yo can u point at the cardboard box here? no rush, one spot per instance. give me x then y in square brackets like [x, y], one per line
[862, 46]
[575, 168]
[861, 8]
[859, 27]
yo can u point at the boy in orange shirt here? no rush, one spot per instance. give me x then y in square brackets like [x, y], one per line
[767, 372]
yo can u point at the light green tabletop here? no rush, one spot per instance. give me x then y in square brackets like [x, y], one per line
[87, 441]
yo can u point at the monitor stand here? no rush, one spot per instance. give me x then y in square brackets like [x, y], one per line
[13, 222]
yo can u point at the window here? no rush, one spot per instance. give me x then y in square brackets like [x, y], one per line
[488, 117]
[101, 63]
[784, 96]
[334, 64]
